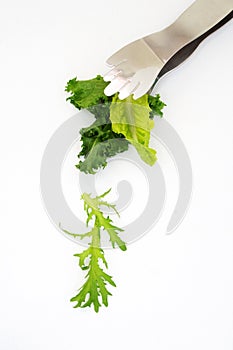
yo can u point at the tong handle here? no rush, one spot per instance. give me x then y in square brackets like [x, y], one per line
[187, 50]
[201, 16]
[197, 19]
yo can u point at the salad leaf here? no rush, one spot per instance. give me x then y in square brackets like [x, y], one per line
[99, 142]
[96, 278]
[86, 93]
[156, 106]
[94, 291]
[131, 118]
[92, 208]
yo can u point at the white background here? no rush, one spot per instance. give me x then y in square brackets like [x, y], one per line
[173, 292]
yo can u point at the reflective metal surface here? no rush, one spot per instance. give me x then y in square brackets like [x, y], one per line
[136, 66]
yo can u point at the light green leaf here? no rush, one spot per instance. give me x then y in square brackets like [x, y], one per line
[90, 259]
[131, 118]
[147, 154]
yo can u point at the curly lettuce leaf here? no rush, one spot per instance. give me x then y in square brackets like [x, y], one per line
[94, 290]
[99, 143]
[156, 106]
[92, 206]
[96, 278]
[87, 93]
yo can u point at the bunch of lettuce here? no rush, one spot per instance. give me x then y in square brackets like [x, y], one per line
[117, 123]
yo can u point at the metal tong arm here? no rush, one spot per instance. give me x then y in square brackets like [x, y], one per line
[200, 17]
[187, 50]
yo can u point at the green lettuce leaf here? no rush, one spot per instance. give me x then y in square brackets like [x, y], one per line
[132, 119]
[87, 93]
[99, 143]
[94, 290]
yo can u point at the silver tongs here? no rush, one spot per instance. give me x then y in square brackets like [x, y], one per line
[137, 66]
